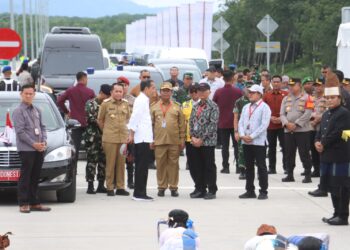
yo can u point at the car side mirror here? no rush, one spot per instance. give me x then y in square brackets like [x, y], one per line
[72, 123]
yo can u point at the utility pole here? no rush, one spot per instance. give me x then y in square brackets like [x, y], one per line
[36, 29]
[24, 28]
[32, 55]
[12, 26]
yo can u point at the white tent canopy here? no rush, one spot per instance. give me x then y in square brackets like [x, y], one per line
[343, 44]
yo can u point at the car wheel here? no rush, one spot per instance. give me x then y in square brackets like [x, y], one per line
[68, 194]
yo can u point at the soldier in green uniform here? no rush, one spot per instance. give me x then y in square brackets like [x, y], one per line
[240, 103]
[182, 94]
[93, 145]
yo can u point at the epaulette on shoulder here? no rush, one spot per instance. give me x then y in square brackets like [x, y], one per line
[107, 100]
[124, 100]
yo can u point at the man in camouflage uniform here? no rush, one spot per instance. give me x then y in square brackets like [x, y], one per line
[92, 137]
[240, 103]
[182, 94]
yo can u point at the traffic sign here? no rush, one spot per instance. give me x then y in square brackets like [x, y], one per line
[221, 25]
[221, 45]
[218, 41]
[10, 43]
[261, 47]
[4, 62]
[267, 25]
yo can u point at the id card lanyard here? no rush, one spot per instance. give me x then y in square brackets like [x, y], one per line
[251, 111]
[164, 111]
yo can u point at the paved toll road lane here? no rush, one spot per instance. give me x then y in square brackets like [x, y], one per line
[101, 222]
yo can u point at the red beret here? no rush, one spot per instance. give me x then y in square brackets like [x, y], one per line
[124, 80]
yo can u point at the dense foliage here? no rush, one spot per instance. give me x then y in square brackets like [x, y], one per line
[307, 30]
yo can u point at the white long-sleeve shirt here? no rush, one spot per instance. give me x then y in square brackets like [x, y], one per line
[254, 121]
[214, 85]
[140, 120]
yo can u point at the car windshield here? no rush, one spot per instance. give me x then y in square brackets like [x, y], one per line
[182, 71]
[70, 62]
[49, 117]
[201, 64]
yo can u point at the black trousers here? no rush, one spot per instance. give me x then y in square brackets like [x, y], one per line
[77, 134]
[190, 160]
[204, 169]
[226, 133]
[340, 202]
[142, 159]
[315, 156]
[272, 136]
[32, 162]
[255, 154]
[300, 141]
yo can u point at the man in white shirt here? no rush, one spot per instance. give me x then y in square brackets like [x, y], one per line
[252, 129]
[214, 82]
[141, 133]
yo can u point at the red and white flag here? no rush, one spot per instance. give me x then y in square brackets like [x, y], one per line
[8, 136]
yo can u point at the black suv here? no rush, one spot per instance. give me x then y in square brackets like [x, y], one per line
[59, 168]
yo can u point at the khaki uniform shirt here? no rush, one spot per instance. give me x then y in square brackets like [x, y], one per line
[168, 126]
[115, 115]
[297, 110]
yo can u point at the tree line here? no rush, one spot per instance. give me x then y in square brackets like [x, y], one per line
[307, 31]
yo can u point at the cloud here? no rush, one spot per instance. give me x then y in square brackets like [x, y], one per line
[169, 3]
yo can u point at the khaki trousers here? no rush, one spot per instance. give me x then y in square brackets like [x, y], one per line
[167, 161]
[115, 170]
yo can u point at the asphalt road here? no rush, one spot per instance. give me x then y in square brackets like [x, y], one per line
[101, 222]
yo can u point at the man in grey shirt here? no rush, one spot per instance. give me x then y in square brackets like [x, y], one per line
[31, 145]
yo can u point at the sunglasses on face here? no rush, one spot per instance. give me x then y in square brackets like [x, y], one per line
[146, 77]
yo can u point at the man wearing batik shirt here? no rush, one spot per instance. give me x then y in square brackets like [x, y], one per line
[203, 126]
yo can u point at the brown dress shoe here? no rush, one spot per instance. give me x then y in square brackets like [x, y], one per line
[39, 208]
[24, 209]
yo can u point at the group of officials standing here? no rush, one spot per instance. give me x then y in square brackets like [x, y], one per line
[119, 128]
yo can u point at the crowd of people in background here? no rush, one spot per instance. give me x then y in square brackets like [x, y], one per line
[254, 110]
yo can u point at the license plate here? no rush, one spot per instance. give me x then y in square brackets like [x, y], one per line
[10, 175]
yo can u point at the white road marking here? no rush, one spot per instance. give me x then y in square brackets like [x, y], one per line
[235, 188]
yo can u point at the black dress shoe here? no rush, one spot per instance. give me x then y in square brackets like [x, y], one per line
[122, 192]
[152, 166]
[209, 196]
[307, 179]
[272, 171]
[174, 193]
[315, 174]
[318, 193]
[161, 192]
[262, 196]
[194, 191]
[198, 194]
[325, 220]
[225, 171]
[337, 221]
[242, 176]
[248, 195]
[288, 178]
[131, 185]
[101, 189]
[110, 193]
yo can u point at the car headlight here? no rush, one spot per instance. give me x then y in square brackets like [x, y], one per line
[59, 154]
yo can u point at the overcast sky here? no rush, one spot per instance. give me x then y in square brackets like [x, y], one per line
[93, 8]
